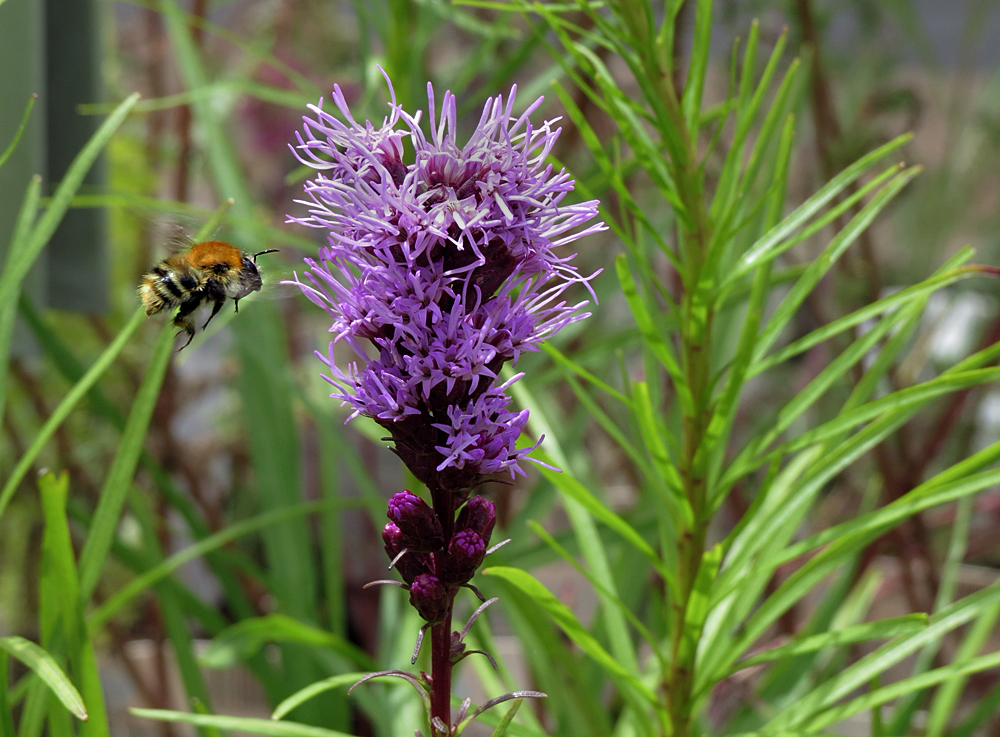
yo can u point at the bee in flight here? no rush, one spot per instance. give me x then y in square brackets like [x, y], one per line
[213, 271]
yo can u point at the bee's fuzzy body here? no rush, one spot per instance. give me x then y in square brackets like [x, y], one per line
[209, 272]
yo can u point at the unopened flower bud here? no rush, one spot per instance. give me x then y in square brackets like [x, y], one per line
[480, 515]
[420, 527]
[465, 554]
[392, 536]
[429, 597]
[411, 564]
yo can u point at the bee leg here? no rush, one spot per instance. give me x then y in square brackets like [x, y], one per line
[215, 311]
[189, 329]
[181, 321]
[236, 303]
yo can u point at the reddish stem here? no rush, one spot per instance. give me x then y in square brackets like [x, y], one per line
[441, 665]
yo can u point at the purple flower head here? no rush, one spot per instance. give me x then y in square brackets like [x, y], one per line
[440, 268]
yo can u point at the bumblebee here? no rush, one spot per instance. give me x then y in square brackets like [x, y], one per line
[213, 271]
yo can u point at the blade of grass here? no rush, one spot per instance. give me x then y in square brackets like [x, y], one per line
[858, 675]
[946, 699]
[20, 130]
[881, 630]
[265, 727]
[60, 607]
[66, 406]
[768, 245]
[264, 381]
[570, 625]
[8, 313]
[100, 615]
[119, 478]
[608, 598]
[951, 673]
[48, 670]
[17, 268]
[315, 689]
[247, 637]
[6, 707]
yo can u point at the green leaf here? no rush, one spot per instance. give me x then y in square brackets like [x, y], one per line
[20, 129]
[313, 690]
[570, 625]
[822, 264]
[883, 629]
[17, 267]
[8, 313]
[244, 639]
[651, 335]
[119, 478]
[945, 704]
[596, 556]
[45, 667]
[957, 671]
[608, 598]
[6, 706]
[700, 46]
[66, 406]
[698, 602]
[816, 709]
[265, 727]
[650, 422]
[894, 301]
[60, 607]
[501, 729]
[768, 246]
[573, 489]
[100, 615]
[931, 493]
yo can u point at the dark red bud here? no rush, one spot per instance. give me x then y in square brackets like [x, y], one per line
[411, 564]
[465, 554]
[393, 539]
[429, 597]
[480, 515]
[420, 527]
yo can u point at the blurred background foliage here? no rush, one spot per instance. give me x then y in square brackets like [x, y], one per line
[243, 427]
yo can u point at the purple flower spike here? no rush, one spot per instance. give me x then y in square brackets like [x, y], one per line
[439, 270]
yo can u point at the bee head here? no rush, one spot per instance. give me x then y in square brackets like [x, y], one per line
[249, 275]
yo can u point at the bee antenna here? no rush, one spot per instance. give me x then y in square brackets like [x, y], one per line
[261, 253]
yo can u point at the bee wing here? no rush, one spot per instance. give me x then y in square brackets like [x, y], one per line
[167, 232]
[173, 237]
[273, 274]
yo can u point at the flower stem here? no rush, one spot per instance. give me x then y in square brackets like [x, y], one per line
[441, 671]
[444, 507]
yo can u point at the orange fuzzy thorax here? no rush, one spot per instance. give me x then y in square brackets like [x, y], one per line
[208, 254]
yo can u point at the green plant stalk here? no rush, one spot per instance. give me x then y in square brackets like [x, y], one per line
[696, 349]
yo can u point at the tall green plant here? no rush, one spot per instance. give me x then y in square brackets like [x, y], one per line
[708, 324]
